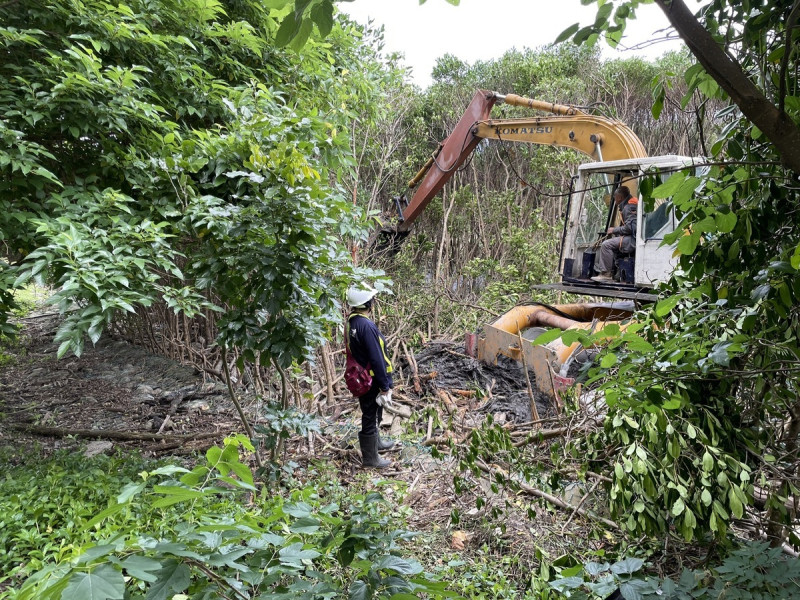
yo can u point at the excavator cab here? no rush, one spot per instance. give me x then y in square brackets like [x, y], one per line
[591, 212]
[589, 215]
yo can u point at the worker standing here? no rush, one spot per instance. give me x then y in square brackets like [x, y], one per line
[368, 348]
[624, 236]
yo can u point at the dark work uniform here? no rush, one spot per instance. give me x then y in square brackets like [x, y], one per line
[624, 240]
[369, 348]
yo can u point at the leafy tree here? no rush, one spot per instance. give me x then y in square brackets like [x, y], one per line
[169, 153]
[704, 422]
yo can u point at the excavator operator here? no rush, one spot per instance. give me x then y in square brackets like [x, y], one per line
[623, 238]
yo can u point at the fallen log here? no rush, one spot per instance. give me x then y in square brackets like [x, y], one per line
[540, 435]
[111, 434]
[447, 401]
[544, 434]
[398, 409]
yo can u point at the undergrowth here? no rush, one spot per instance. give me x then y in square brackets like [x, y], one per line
[124, 527]
[45, 502]
[26, 299]
[121, 527]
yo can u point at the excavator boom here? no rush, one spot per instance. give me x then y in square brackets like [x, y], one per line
[598, 137]
[450, 155]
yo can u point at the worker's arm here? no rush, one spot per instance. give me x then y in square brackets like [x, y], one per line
[374, 348]
[629, 221]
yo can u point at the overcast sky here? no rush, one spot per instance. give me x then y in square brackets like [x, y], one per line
[486, 29]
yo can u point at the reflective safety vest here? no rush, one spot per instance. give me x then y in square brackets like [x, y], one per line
[368, 347]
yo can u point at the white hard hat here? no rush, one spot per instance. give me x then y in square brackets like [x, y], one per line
[359, 296]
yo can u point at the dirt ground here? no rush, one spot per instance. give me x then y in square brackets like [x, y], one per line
[113, 387]
[116, 391]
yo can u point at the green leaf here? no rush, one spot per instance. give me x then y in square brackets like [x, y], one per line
[286, 31]
[111, 510]
[322, 15]
[173, 578]
[677, 507]
[547, 337]
[169, 470]
[570, 336]
[142, 567]
[659, 94]
[129, 491]
[302, 33]
[400, 565]
[359, 591]
[566, 583]
[295, 555]
[670, 186]
[719, 354]
[737, 508]
[795, 260]
[688, 243]
[174, 495]
[567, 33]
[102, 583]
[305, 525]
[665, 306]
[634, 590]
[608, 360]
[594, 569]
[213, 455]
[298, 510]
[627, 566]
[725, 221]
[708, 461]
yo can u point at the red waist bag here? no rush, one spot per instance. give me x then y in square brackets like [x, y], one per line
[356, 378]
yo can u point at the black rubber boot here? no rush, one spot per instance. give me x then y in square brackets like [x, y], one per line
[384, 445]
[369, 452]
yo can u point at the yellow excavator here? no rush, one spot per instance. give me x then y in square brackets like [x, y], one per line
[618, 158]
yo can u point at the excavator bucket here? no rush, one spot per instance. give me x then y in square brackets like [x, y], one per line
[552, 364]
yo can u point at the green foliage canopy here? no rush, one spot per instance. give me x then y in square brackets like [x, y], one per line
[168, 151]
[703, 420]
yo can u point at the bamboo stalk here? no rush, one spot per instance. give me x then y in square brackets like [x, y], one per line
[413, 366]
[550, 498]
[327, 365]
[534, 409]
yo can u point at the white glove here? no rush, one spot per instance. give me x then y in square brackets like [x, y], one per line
[384, 399]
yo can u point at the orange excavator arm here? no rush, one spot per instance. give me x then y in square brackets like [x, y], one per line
[601, 138]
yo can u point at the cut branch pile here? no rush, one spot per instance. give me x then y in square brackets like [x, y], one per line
[456, 378]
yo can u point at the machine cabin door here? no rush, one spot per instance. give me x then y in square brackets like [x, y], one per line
[654, 261]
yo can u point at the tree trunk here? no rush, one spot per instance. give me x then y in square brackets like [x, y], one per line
[773, 122]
